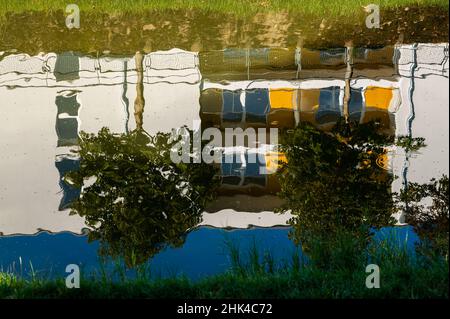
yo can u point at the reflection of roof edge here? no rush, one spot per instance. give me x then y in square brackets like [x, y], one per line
[84, 232]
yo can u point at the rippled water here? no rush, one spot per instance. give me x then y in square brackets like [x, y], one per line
[48, 99]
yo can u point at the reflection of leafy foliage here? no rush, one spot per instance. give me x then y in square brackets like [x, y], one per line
[430, 222]
[333, 182]
[410, 144]
[140, 201]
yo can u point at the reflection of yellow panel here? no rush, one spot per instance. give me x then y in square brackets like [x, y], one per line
[273, 161]
[281, 98]
[377, 102]
[377, 97]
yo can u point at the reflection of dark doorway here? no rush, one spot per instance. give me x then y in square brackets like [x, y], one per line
[70, 193]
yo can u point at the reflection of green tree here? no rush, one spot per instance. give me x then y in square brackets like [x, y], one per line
[140, 201]
[429, 219]
[334, 182]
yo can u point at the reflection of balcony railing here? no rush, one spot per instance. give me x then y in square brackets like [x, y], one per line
[72, 70]
[175, 66]
[295, 63]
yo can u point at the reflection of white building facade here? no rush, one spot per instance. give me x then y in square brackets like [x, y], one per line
[46, 100]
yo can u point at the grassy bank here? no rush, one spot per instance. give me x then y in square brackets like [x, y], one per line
[341, 275]
[240, 7]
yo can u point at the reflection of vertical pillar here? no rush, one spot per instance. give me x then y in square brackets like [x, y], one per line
[411, 118]
[298, 62]
[348, 76]
[139, 102]
[298, 56]
[125, 100]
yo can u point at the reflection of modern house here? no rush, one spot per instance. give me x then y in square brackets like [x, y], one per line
[265, 88]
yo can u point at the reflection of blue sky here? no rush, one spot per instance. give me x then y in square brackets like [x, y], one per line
[204, 252]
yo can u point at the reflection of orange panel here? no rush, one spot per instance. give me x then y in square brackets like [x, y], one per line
[308, 101]
[273, 161]
[281, 98]
[377, 97]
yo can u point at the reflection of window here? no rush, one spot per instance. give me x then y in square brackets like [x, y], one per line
[67, 67]
[360, 53]
[67, 120]
[332, 56]
[246, 57]
[329, 106]
[67, 131]
[232, 107]
[256, 105]
[70, 193]
[67, 105]
[246, 173]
